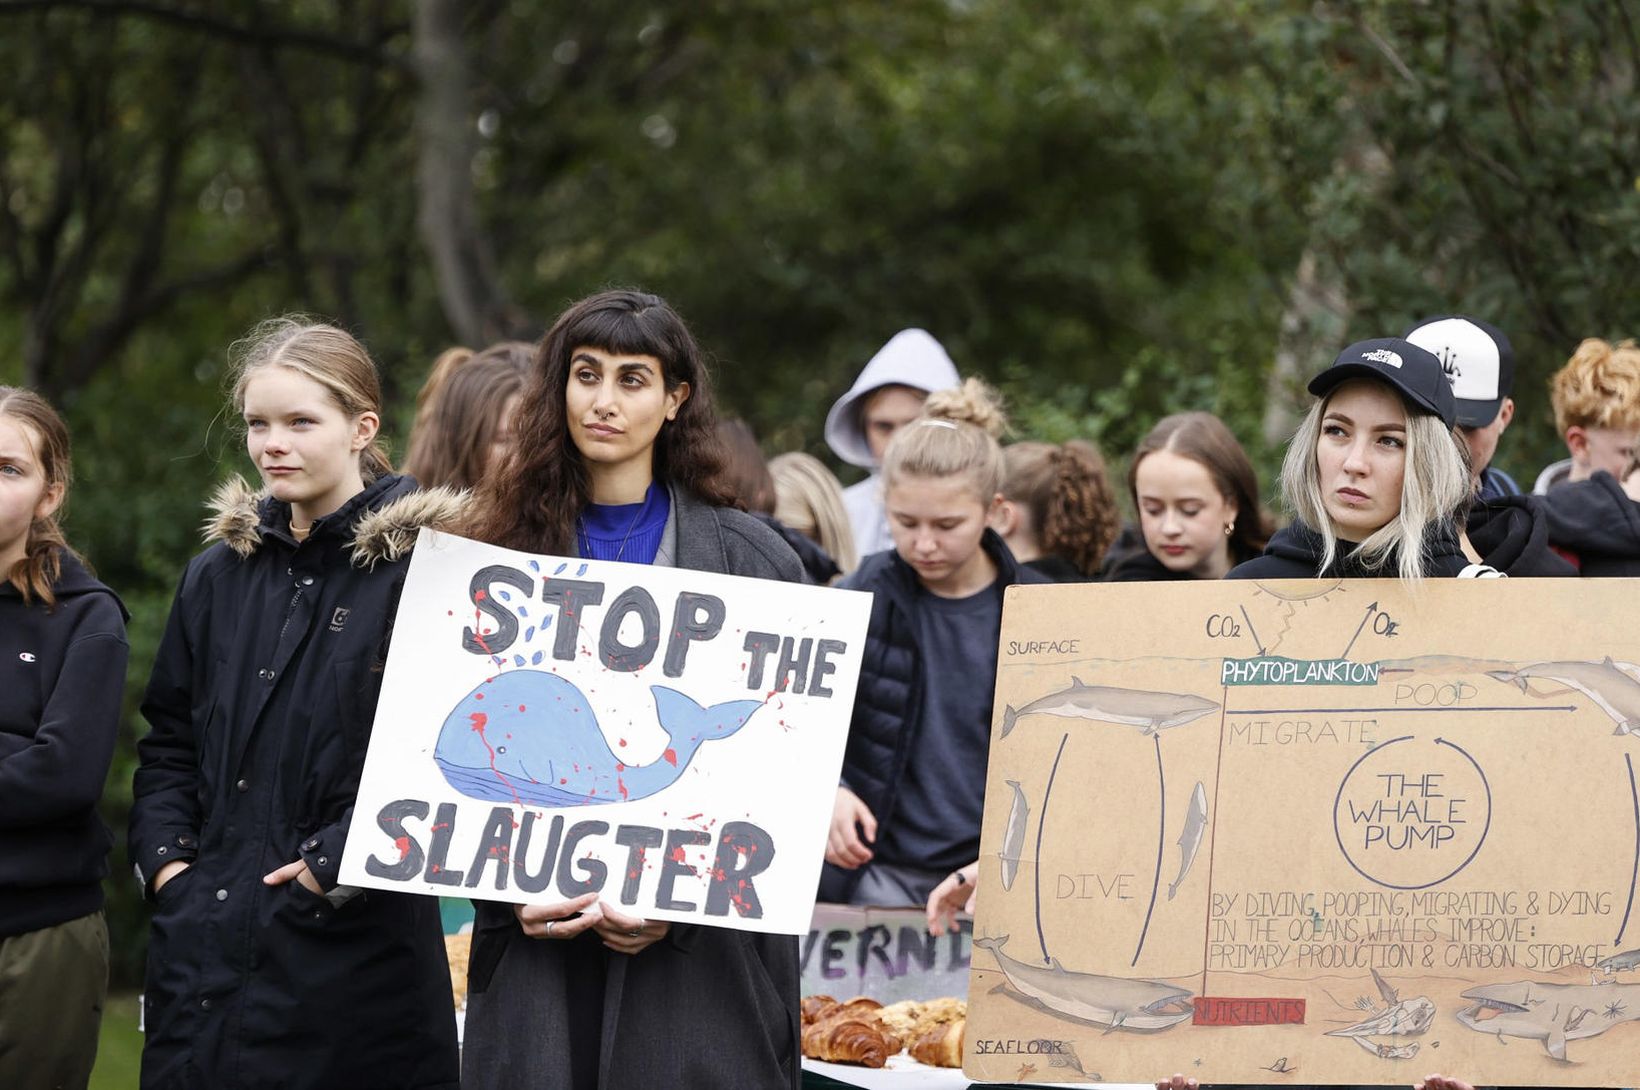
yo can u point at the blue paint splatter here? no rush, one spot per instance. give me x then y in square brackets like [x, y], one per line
[582, 570]
[496, 659]
[505, 597]
[523, 612]
[559, 569]
[535, 659]
[518, 660]
[535, 565]
[529, 633]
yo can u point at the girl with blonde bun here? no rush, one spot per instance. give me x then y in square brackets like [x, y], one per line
[908, 809]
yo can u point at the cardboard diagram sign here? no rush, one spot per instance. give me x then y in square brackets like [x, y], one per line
[1313, 832]
[548, 727]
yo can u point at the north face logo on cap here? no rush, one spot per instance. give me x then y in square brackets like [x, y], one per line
[1383, 355]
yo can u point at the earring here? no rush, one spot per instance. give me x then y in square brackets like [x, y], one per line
[1229, 528]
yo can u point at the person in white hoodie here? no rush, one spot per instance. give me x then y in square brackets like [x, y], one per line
[888, 394]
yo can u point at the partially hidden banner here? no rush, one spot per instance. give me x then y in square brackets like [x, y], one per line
[1313, 832]
[549, 727]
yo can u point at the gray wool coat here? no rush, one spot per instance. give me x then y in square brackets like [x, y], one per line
[704, 1006]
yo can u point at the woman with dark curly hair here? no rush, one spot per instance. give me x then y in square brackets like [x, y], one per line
[617, 459]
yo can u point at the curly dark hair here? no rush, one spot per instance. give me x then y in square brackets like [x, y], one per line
[534, 498]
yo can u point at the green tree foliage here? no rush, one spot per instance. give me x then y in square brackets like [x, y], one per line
[1103, 206]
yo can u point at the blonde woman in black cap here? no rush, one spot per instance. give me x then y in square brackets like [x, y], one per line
[1374, 476]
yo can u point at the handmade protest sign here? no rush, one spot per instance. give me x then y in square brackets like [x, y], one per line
[549, 727]
[1331, 831]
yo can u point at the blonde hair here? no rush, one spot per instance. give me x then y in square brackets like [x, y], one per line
[1434, 487]
[808, 499]
[327, 355]
[41, 565]
[1598, 388]
[956, 434]
[1069, 496]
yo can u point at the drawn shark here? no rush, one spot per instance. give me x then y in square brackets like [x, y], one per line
[1136, 707]
[1551, 1013]
[1625, 962]
[1140, 1006]
[527, 736]
[1609, 684]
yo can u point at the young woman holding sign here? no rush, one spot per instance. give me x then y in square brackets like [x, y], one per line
[1375, 475]
[62, 669]
[262, 970]
[616, 460]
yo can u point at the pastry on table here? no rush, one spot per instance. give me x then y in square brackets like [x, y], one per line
[940, 1046]
[813, 1006]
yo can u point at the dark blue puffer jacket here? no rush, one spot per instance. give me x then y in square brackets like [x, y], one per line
[888, 700]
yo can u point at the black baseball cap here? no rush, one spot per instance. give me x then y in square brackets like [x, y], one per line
[1477, 358]
[1414, 371]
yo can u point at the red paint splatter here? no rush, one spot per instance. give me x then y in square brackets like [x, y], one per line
[478, 696]
[434, 869]
[479, 596]
[522, 709]
[403, 845]
[693, 817]
[623, 742]
[621, 784]
[677, 854]
[671, 757]
[480, 721]
[562, 780]
[619, 767]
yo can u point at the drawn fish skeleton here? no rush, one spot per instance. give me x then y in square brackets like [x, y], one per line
[1149, 711]
[1013, 839]
[1190, 837]
[1398, 1018]
[1551, 1013]
[1610, 685]
[529, 736]
[1138, 1006]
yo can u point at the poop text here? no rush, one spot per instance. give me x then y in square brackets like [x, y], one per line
[652, 866]
[775, 662]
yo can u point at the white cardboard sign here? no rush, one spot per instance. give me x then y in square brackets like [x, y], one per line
[550, 726]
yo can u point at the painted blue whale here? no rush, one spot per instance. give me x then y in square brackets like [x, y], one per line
[528, 736]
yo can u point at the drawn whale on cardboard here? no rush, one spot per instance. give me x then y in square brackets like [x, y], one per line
[528, 736]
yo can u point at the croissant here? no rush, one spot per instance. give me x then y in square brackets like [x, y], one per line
[941, 1046]
[814, 1006]
[846, 1041]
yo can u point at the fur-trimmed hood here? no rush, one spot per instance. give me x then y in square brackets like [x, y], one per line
[239, 514]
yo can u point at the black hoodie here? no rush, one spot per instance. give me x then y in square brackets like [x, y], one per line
[1295, 553]
[1511, 534]
[1596, 522]
[62, 671]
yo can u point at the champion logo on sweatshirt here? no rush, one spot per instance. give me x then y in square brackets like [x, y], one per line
[26, 656]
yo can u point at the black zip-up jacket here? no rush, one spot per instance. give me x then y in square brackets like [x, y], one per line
[62, 671]
[261, 702]
[1595, 522]
[888, 700]
[1295, 553]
